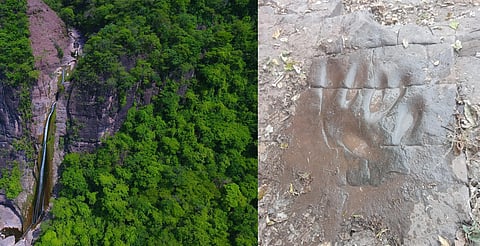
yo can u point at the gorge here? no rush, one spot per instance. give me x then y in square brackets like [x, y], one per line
[154, 130]
[55, 49]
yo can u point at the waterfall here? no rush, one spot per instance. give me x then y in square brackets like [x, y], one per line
[40, 198]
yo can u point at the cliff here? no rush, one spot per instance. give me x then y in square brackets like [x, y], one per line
[50, 45]
[93, 113]
[10, 126]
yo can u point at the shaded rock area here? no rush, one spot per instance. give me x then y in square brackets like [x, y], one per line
[356, 124]
[93, 114]
[10, 125]
[10, 221]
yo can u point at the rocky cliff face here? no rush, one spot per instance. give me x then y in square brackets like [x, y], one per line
[51, 46]
[84, 114]
[92, 115]
[10, 125]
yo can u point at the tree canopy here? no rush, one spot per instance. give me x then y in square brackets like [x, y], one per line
[17, 75]
[182, 170]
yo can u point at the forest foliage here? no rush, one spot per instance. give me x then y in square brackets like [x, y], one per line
[16, 59]
[17, 73]
[10, 180]
[182, 170]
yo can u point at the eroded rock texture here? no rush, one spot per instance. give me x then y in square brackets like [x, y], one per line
[91, 118]
[10, 124]
[375, 104]
[371, 133]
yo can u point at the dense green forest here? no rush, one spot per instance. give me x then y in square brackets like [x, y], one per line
[17, 75]
[182, 170]
[15, 43]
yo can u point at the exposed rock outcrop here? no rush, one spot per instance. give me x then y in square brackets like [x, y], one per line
[51, 45]
[10, 125]
[92, 113]
[92, 119]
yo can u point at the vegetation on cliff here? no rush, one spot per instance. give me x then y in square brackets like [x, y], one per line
[10, 181]
[16, 59]
[18, 73]
[182, 170]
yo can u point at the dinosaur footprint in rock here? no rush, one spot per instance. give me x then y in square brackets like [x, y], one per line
[366, 113]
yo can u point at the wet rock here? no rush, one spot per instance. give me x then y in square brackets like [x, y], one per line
[11, 129]
[376, 116]
[26, 240]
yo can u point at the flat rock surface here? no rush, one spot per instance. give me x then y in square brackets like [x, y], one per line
[357, 122]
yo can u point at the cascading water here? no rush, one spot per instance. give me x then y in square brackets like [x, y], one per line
[40, 194]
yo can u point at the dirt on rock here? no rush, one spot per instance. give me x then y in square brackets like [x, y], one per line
[358, 122]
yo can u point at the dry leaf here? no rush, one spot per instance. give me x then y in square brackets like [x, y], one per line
[262, 190]
[268, 130]
[269, 222]
[275, 62]
[289, 65]
[443, 241]
[379, 234]
[298, 70]
[457, 45]
[284, 57]
[454, 24]
[292, 191]
[359, 216]
[295, 98]
[277, 33]
[471, 115]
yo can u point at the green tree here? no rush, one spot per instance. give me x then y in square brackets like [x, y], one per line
[182, 169]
